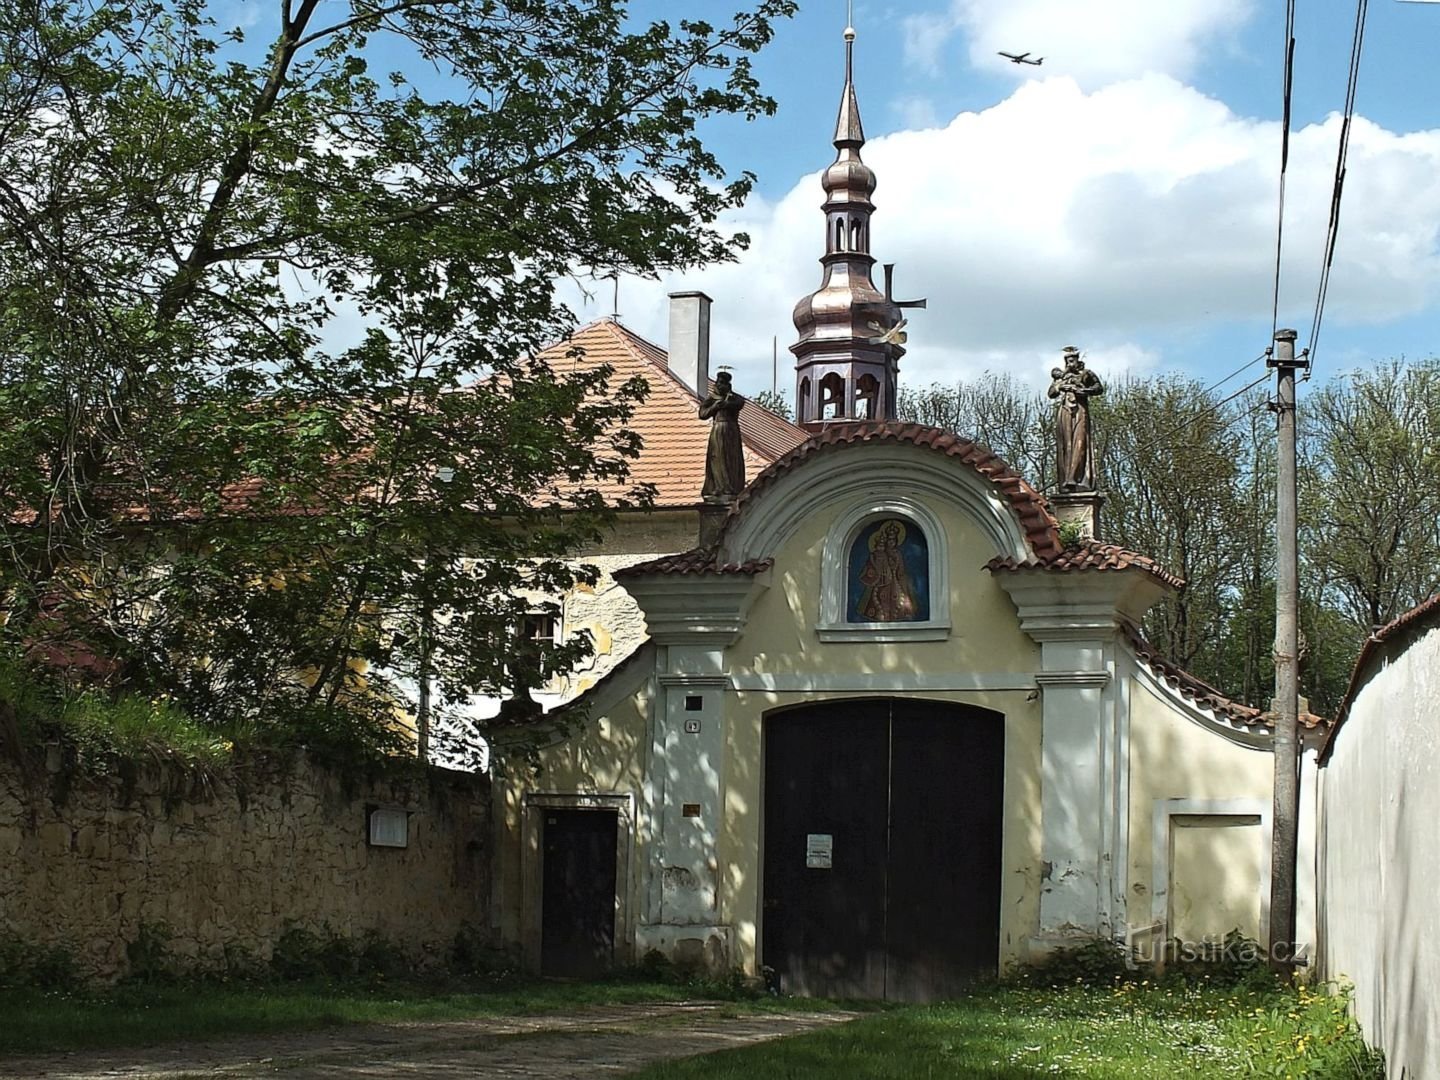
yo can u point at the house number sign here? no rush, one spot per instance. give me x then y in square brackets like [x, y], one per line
[819, 848]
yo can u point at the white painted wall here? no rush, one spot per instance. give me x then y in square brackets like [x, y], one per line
[1379, 856]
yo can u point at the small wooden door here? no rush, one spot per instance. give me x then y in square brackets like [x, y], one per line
[883, 822]
[577, 905]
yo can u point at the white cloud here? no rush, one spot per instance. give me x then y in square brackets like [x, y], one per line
[925, 38]
[1129, 221]
[1093, 41]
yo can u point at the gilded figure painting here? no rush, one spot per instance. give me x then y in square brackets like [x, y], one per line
[889, 574]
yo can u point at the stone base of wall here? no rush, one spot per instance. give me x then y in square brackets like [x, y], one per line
[230, 864]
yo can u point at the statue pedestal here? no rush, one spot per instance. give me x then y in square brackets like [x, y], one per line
[1080, 508]
[712, 521]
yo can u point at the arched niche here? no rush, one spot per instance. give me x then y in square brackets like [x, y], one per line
[832, 397]
[885, 574]
[867, 397]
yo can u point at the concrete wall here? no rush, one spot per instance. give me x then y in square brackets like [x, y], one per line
[85, 861]
[1380, 856]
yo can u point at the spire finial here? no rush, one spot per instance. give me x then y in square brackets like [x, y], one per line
[849, 40]
[847, 127]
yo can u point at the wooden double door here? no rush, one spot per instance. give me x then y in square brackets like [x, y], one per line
[882, 848]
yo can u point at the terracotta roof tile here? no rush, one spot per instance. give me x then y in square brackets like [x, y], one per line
[667, 421]
[1418, 619]
[1201, 692]
[1091, 555]
[1041, 531]
[694, 561]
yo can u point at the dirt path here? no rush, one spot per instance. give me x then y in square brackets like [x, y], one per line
[603, 1041]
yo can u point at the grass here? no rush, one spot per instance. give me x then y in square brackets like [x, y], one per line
[143, 1014]
[1132, 1030]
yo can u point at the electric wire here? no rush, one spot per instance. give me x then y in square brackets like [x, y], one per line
[1337, 188]
[1243, 367]
[1289, 82]
[1171, 436]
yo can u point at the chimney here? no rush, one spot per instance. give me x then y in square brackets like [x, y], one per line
[690, 339]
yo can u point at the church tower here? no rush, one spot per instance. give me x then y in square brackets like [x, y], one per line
[851, 334]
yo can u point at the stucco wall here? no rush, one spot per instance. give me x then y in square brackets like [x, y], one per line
[780, 644]
[1380, 857]
[603, 756]
[85, 862]
[1211, 800]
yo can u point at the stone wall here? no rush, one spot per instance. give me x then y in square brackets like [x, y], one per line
[233, 862]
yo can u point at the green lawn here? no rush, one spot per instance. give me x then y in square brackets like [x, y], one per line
[1133, 1030]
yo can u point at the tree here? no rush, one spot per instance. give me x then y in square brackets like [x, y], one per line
[1371, 490]
[995, 409]
[775, 401]
[267, 319]
[1170, 461]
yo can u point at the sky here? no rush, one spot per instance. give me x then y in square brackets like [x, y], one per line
[1121, 197]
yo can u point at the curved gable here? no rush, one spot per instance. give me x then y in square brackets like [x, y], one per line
[822, 469]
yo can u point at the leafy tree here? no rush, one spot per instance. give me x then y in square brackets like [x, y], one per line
[1371, 490]
[1170, 460]
[267, 314]
[996, 409]
[776, 401]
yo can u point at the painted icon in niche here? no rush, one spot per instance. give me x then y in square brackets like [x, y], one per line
[889, 578]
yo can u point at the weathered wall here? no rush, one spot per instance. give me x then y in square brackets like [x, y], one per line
[1201, 877]
[1380, 856]
[86, 862]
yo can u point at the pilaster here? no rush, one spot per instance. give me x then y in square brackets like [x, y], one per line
[1074, 617]
[692, 620]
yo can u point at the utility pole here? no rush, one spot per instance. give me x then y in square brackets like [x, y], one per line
[1286, 811]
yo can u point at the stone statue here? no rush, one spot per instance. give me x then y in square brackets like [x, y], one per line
[724, 459]
[1074, 386]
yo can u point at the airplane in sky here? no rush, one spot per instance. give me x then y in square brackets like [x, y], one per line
[1019, 58]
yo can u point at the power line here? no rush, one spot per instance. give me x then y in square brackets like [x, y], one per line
[1215, 386]
[1151, 445]
[1289, 83]
[1337, 188]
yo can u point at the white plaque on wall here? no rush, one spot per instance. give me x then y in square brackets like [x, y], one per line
[819, 850]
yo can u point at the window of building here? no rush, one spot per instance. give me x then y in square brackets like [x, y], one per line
[832, 397]
[867, 397]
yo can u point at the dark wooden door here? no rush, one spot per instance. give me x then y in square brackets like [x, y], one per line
[910, 797]
[825, 926]
[577, 904]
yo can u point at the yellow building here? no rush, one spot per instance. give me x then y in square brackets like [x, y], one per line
[882, 729]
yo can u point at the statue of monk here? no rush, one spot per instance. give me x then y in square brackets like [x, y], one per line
[1073, 386]
[724, 458]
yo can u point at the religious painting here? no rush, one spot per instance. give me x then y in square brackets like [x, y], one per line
[888, 576]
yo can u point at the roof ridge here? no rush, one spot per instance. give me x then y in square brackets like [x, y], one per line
[1032, 513]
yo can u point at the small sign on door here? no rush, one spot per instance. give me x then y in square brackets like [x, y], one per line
[819, 849]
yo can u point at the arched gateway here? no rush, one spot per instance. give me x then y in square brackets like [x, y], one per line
[882, 847]
[893, 727]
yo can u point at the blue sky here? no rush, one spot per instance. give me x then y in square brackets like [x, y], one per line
[1121, 197]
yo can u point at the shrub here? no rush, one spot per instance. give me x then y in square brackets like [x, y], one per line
[39, 967]
[149, 955]
[1097, 962]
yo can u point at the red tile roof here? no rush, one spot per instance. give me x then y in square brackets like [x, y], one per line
[1091, 555]
[694, 561]
[1423, 616]
[1040, 528]
[667, 421]
[1201, 692]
